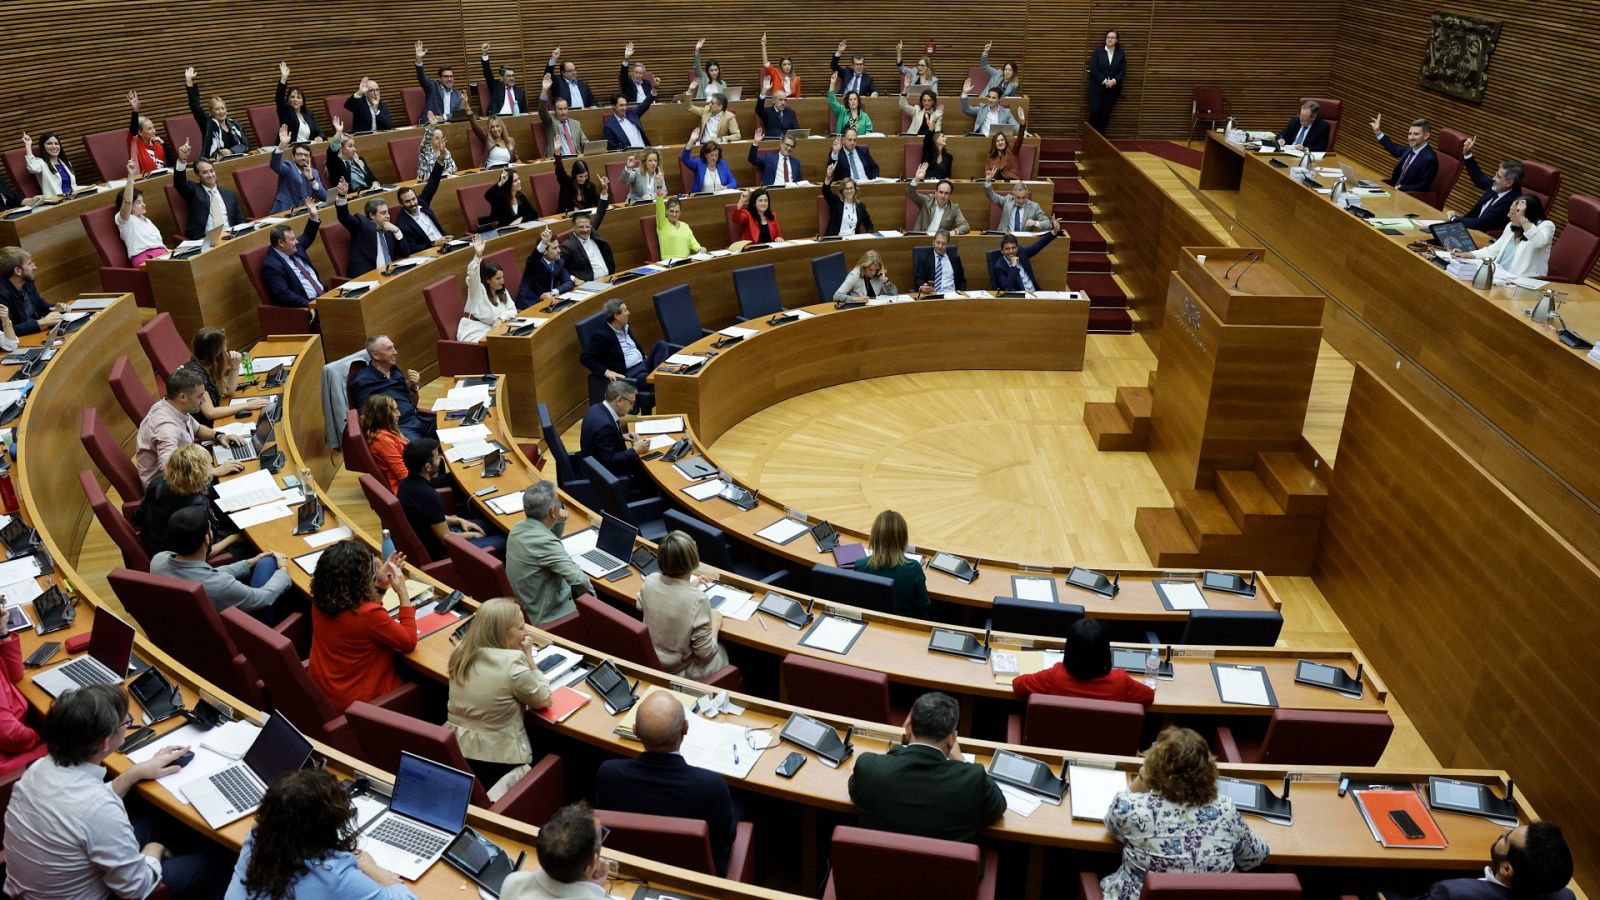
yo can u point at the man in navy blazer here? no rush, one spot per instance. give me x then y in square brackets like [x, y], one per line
[544, 274]
[419, 227]
[854, 77]
[565, 83]
[197, 198]
[776, 119]
[1012, 270]
[499, 87]
[297, 181]
[659, 782]
[439, 97]
[1306, 131]
[368, 112]
[287, 273]
[1529, 861]
[631, 80]
[623, 128]
[937, 269]
[374, 240]
[602, 438]
[854, 161]
[614, 354]
[1417, 162]
[771, 163]
[1493, 209]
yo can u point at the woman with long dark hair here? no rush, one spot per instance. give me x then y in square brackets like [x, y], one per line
[488, 301]
[935, 156]
[754, 215]
[50, 168]
[577, 188]
[218, 368]
[293, 113]
[353, 639]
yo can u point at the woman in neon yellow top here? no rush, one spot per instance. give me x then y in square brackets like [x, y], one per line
[676, 240]
[850, 113]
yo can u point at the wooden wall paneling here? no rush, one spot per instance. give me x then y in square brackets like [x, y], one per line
[1481, 617]
[1056, 44]
[1132, 20]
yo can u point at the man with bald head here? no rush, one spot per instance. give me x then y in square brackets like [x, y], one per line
[659, 782]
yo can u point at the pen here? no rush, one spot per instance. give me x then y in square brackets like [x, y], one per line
[736, 753]
[762, 624]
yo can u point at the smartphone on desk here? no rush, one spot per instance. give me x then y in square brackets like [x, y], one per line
[791, 764]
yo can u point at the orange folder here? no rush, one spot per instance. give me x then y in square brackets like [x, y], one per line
[564, 701]
[1377, 805]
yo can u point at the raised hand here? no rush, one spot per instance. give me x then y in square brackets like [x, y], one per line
[183, 152]
[694, 136]
[766, 84]
[989, 173]
[922, 170]
[421, 50]
[283, 136]
[694, 84]
[342, 188]
[987, 47]
[484, 49]
[283, 71]
[938, 112]
[899, 48]
[758, 137]
[27, 144]
[632, 161]
[1377, 123]
[547, 236]
[544, 84]
[605, 185]
[477, 245]
[699, 45]
[966, 87]
[627, 50]
[555, 54]
[133, 169]
[133, 100]
[433, 119]
[1056, 226]
[1467, 145]
[338, 126]
[842, 45]
[188, 76]
[828, 175]
[744, 197]
[837, 143]
[311, 207]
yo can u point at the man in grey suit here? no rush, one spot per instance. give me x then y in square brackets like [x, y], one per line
[563, 134]
[544, 576]
[1018, 212]
[937, 211]
[990, 114]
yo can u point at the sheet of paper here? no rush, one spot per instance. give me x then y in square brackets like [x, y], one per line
[704, 490]
[659, 442]
[242, 429]
[324, 538]
[581, 542]
[205, 763]
[735, 604]
[231, 739]
[474, 392]
[248, 490]
[469, 450]
[1040, 589]
[463, 434]
[1093, 789]
[684, 359]
[20, 592]
[91, 303]
[308, 562]
[802, 314]
[1184, 595]
[658, 426]
[738, 331]
[783, 530]
[718, 746]
[507, 504]
[264, 364]
[255, 515]
[1426, 223]
[13, 571]
[1019, 801]
[352, 286]
[833, 634]
[1242, 686]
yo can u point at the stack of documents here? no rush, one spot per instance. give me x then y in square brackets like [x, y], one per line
[463, 434]
[669, 425]
[1093, 789]
[732, 602]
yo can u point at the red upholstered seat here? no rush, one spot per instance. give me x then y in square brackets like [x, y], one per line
[481, 574]
[447, 306]
[180, 209]
[264, 122]
[1076, 723]
[115, 523]
[403, 152]
[389, 511]
[615, 633]
[1204, 886]
[16, 162]
[1208, 106]
[117, 273]
[1541, 180]
[336, 110]
[1307, 738]
[839, 689]
[131, 394]
[258, 187]
[335, 239]
[1578, 245]
[546, 194]
[1329, 110]
[414, 100]
[870, 865]
[357, 455]
[509, 261]
[109, 150]
[474, 203]
[652, 240]
[184, 128]
[683, 842]
[114, 464]
[164, 346]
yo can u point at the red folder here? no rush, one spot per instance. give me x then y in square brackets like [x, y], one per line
[436, 621]
[1376, 807]
[564, 701]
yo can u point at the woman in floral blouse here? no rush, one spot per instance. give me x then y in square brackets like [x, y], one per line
[1173, 820]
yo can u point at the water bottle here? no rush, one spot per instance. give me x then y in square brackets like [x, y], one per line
[1152, 665]
[388, 545]
[247, 364]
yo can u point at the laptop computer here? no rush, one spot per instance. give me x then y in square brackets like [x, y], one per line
[733, 92]
[1453, 235]
[798, 134]
[110, 647]
[235, 791]
[251, 449]
[612, 549]
[427, 811]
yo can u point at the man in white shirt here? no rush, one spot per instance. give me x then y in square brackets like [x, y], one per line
[69, 832]
[856, 160]
[209, 204]
[937, 269]
[986, 117]
[624, 129]
[567, 85]
[585, 253]
[570, 864]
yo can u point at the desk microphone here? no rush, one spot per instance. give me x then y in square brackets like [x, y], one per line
[1241, 274]
[1250, 257]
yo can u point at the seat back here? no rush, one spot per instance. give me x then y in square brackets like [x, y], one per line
[446, 305]
[835, 687]
[357, 455]
[1317, 738]
[509, 262]
[1541, 180]
[611, 490]
[258, 187]
[553, 445]
[164, 346]
[651, 238]
[822, 214]
[871, 864]
[403, 153]
[735, 232]
[181, 129]
[686, 842]
[107, 454]
[335, 109]
[356, 365]
[540, 138]
[393, 517]
[264, 122]
[336, 243]
[1089, 726]
[1451, 142]
[16, 162]
[680, 321]
[587, 328]
[101, 226]
[757, 290]
[474, 201]
[1020, 616]
[478, 572]
[290, 689]
[178, 616]
[855, 588]
[251, 260]
[711, 541]
[615, 633]
[1329, 110]
[477, 148]
[1233, 627]
[1207, 103]
[180, 209]
[546, 192]
[913, 157]
[384, 734]
[134, 556]
[109, 150]
[1028, 160]
[130, 391]
[414, 100]
[914, 209]
[1220, 886]
[1578, 246]
[828, 272]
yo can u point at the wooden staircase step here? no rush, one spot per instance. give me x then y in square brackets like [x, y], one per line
[1110, 430]
[1248, 500]
[1165, 538]
[1135, 403]
[1298, 489]
[1204, 515]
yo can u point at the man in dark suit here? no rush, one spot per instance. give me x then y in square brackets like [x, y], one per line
[419, 227]
[383, 375]
[1529, 861]
[374, 240]
[613, 354]
[439, 97]
[210, 204]
[1417, 162]
[854, 161]
[923, 787]
[1306, 131]
[774, 116]
[368, 112]
[1493, 209]
[631, 80]
[505, 97]
[937, 269]
[780, 168]
[658, 782]
[565, 83]
[29, 313]
[602, 438]
[287, 273]
[584, 244]
[1108, 67]
[1013, 270]
[544, 275]
[854, 77]
[623, 128]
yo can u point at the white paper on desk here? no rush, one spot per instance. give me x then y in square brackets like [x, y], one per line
[242, 429]
[1059, 295]
[308, 562]
[92, 303]
[205, 763]
[889, 233]
[255, 515]
[17, 570]
[294, 496]
[833, 634]
[581, 541]
[351, 286]
[469, 450]
[1523, 281]
[1184, 595]
[474, 392]
[704, 490]
[20, 592]
[1236, 685]
[1019, 801]
[735, 604]
[685, 359]
[264, 364]
[1427, 223]
[247, 490]
[454, 404]
[1093, 789]
[659, 442]
[658, 426]
[783, 530]
[231, 739]
[324, 538]
[718, 746]
[188, 245]
[463, 433]
[1268, 149]
[801, 314]
[738, 332]
[506, 504]
[978, 295]
[1040, 589]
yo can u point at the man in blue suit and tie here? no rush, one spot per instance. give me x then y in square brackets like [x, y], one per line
[624, 130]
[602, 438]
[287, 273]
[1417, 162]
[1013, 270]
[1493, 209]
[1306, 131]
[854, 161]
[297, 181]
[780, 168]
[544, 275]
[440, 97]
[937, 269]
[659, 782]
[565, 82]
[375, 241]
[854, 77]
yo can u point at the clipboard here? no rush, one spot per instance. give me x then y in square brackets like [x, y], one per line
[828, 620]
[1266, 682]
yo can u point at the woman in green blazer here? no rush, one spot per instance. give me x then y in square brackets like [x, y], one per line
[887, 557]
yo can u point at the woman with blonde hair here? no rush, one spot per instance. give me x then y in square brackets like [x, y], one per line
[493, 678]
[183, 482]
[380, 428]
[435, 148]
[867, 280]
[847, 215]
[921, 75]
[887, 557]
[1171, 818]
[218, 368]
[683, 626]
[500, 148]
[645, 180]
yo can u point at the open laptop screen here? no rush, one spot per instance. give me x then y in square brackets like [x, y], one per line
[616, 537]
[111, 642]
[278, 750]
[430, 793]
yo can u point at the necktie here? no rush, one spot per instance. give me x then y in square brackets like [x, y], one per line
[310, 275]
[1017, 218]
[566, 135]
[1301, 137]
[783, 170]
[855, 83]
[855, 167]
[938, 271]
[1406, 164]
[219, 213]
[383, 251]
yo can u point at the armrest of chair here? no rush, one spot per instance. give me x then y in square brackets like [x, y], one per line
[1226, 747]
[1014, 728]
[534, 453]
[991, 875]
[727, 677]
[1089, 886]
[444, 570]
[569, 626]
[297, 628]
[538, 795]
[405, 699]
[741, 857]
[649, 509]
[447, 496]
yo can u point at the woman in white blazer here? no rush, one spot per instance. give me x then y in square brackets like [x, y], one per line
[867, 280]
[1524, 247]
[488, 301]
[51, 171]
[683, 626]
[492, 680]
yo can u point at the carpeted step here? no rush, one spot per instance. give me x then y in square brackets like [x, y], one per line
[1057, 168]
[1070, 190]
[1076, 213]
[1100, 287]
[1085, 237]
[1056, 148]
[1110, 321]
[1089, 262]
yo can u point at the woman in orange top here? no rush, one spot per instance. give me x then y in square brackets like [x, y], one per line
[1001, 160]
[780, 76]
[19, 742]
[755, 216]
[353, 639]
[380, 426]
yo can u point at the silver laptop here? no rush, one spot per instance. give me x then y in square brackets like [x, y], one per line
[733, 92]
[110, 648]
[612, 549]
[798, 134]
[427, 811]
[235, 792]
[251, 449]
